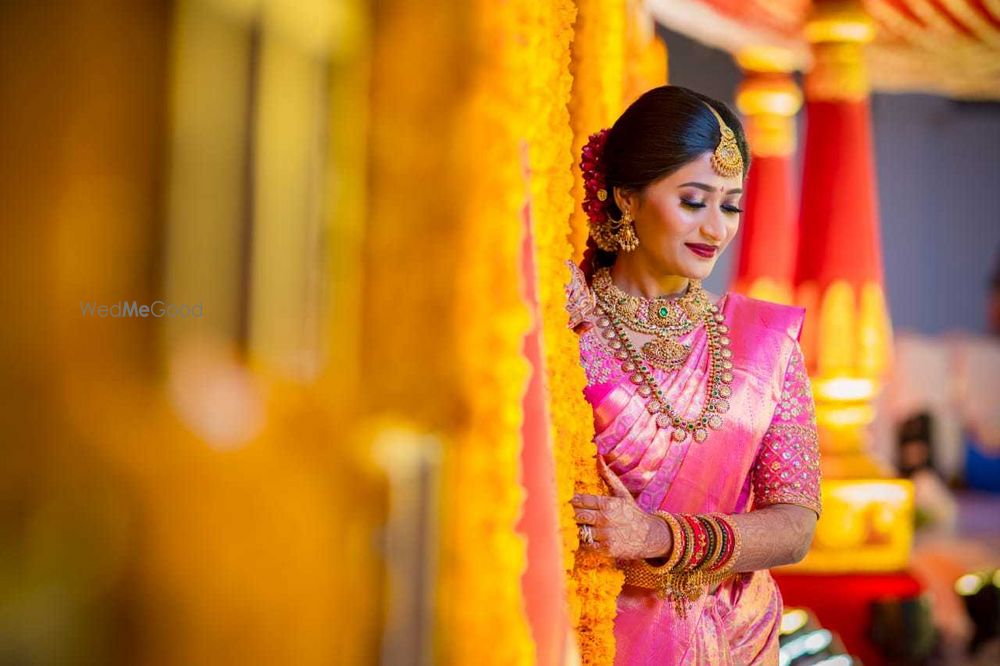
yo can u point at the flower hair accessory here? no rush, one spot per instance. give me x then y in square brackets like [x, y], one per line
[609, 234]
[592, 166]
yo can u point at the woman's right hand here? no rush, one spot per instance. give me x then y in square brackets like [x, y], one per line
[621, 528]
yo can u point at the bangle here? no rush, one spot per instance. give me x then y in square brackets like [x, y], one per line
[676, 548]
[645, 574]
[692, 566]
[737, 548]
[727, 552]
[725, 543]
[689, 544]
[700, 543]
[728, 561]
[712, 551]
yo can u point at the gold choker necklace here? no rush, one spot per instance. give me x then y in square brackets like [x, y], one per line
[617, 313]
[666, 317]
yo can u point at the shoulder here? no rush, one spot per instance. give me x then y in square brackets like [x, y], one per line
[581, 304]
[777, 317]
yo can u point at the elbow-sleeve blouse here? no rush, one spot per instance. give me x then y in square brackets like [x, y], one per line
[786, 470]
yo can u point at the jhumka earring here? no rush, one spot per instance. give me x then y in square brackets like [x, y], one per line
[727, 160]
[627, 240]
[615, 235]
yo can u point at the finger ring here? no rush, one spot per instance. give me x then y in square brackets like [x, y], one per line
[586, 535]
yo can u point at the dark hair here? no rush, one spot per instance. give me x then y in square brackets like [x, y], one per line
[661, 131]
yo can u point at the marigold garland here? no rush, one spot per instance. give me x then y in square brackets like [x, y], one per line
[645, 53]
[598, 81]
[593, 582]
[603, 33]
[519, 89]
[446, 321]
[527, 92]
[550, 155]
[489, 556]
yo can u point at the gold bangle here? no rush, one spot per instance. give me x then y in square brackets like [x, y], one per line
[675, 531]
[679, 586]
[737, 549]
[639, 576]
[652, 574]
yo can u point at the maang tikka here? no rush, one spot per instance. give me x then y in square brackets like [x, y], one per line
[727, 160]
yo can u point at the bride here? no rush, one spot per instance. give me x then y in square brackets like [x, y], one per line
[703, 415]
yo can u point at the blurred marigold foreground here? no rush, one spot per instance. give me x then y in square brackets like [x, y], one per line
[306, 457]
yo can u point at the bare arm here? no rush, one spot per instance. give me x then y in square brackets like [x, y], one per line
[775, 535]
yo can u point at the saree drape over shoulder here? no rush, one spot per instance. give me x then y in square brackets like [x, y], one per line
[765, 453]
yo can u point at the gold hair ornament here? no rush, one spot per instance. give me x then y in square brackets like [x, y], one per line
[727, 160]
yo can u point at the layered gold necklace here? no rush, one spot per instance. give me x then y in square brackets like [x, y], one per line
[667, 319]
[664, 317]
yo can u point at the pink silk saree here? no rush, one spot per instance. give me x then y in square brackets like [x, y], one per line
[764, 453]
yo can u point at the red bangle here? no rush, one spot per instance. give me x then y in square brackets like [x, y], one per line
[729, 542]
[688, 541]
[700, 542]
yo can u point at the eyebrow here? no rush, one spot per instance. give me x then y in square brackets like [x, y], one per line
[709, 188]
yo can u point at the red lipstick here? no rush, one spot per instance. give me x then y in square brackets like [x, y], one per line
[703, 250]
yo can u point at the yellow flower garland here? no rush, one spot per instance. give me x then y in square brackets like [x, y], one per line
[445, 321]
[613, 60]
[593, 582]
[485, 569]
[551, 161]
[536, 79]
[598, 70]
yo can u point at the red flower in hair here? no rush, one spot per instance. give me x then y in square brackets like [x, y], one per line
[592, 165]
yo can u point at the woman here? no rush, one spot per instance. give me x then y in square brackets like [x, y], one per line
[703, 414]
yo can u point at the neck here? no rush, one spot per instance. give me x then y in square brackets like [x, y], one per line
[634, 277]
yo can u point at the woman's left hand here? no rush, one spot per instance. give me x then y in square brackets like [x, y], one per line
[620, 527]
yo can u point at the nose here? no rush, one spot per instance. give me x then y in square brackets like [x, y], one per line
[714, 230]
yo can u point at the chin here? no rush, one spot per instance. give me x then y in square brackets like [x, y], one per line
[699, 272]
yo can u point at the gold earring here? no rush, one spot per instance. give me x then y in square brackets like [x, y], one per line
[627, 239]
[614, 235]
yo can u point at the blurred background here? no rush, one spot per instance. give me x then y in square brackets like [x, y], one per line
[285, 377]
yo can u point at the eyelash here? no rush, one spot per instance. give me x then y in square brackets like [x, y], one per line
[695, 204]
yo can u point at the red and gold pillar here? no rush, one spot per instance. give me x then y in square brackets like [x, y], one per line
[867, 522]
[769, 99]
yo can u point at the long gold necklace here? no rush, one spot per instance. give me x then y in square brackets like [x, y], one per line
[664, 317]
[720, 370]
